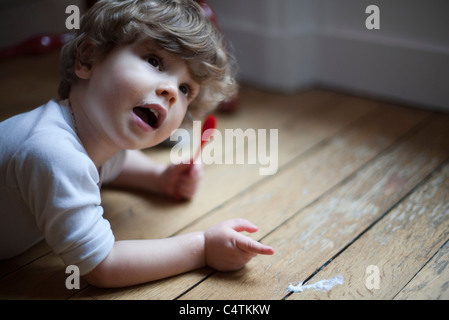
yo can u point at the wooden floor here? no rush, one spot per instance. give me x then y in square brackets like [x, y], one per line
[362, 190]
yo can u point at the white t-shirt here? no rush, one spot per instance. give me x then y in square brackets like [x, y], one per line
[50, 188]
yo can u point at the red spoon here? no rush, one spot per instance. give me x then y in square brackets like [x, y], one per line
[206, 134]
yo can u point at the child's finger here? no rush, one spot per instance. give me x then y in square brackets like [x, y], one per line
[186, 191]
[182, 168]
[252, 246]
[196, 171]
[240, 225]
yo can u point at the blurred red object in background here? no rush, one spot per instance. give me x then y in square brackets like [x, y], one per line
[39, 44]
[45, 43]
[210, 14]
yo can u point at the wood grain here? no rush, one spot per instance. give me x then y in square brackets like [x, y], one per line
[399, 245]
[430, 283]
[360, 182]
[321, 230]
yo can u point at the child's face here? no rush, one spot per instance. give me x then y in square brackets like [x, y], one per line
[138, 95]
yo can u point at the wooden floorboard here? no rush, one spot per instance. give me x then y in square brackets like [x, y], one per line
[399, 245]
[359, 183]
[321, 230]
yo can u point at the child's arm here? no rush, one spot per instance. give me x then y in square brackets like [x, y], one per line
[141, 172]
[221, 247]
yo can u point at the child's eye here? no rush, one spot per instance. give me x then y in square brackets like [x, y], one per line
[155, 62]
[185, 89]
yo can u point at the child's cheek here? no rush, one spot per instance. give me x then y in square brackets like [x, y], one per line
[125, 88]
[127, 82]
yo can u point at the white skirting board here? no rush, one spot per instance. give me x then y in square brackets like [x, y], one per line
[287, 45]
[393, 70]
[390, 70]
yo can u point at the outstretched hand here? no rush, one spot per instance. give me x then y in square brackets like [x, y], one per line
[227, 249]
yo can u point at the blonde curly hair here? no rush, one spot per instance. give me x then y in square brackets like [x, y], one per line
[177, 26]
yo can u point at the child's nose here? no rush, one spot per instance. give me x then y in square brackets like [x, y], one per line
[169, 92]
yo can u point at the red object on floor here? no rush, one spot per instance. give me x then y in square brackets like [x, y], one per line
[45, 43]
[39, 44]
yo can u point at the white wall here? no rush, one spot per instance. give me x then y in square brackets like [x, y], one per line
[289, 44]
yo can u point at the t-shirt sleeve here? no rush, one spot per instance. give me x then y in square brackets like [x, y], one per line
[59, 183]
[112, 168]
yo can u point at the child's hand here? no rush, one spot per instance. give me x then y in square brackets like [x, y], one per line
[226, 249]
[181, 181]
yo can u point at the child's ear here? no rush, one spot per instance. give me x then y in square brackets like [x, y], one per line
[84, 59]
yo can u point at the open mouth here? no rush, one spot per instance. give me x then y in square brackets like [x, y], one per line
[150, 116]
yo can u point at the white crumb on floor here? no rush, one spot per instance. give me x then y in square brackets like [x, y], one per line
[323, 285]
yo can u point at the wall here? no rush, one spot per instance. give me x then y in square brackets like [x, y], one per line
[286, 45]
[290, 44]
[22, 19]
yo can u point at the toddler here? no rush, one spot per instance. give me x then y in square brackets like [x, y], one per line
[128, 78]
